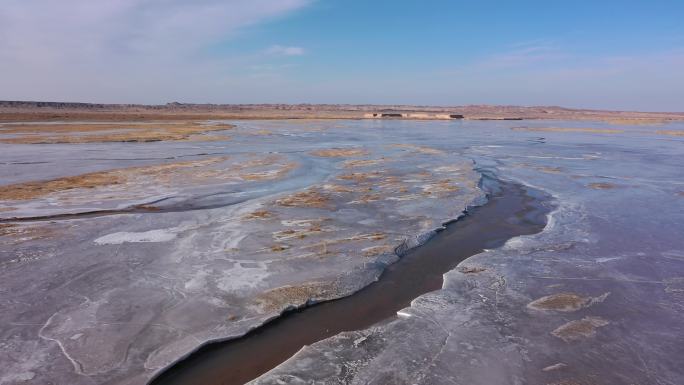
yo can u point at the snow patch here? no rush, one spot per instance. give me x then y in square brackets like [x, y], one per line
[161, 235]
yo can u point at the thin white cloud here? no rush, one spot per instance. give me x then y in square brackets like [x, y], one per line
[524, 54]
[285, 50]
[94, 50]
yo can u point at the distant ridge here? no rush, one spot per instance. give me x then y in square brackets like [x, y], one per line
[42, 110]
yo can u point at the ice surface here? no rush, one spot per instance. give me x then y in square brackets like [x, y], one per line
[156, 249]
[259, 224]
[595, 298]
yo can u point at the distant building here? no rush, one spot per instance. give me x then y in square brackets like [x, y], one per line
[416, 115]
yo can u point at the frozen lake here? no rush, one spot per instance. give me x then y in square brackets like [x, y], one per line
[161, 247]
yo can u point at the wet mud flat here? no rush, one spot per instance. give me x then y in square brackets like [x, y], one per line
[511, 210]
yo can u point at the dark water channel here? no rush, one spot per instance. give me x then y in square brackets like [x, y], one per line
[512, 210]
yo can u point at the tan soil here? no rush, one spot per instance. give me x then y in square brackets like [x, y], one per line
[639, 122]
[671, 132]
[92, 133]
[360, 176]
[418, 149]
[270, 174]
[340, 152]
[259, 214]
[308, 198]
[32, 190]
[442, 186]
[579, 329]
[362, 163]
[563, 302]
[25, 233]
[602, 186]
[550, 170]
[278, 248]
[281, 297]
[354, 238]
[377, 250]
[367, 198]
[37, 189]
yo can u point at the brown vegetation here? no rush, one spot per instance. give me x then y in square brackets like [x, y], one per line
[602, 186]
[281, 297]
[33, 190]
[575, 330]
[110, 132]
[26, 232]
[360, 176]
[563, 302]
[419, 149]
[340, 152]
[308, 198]
[377, 250]
[259, 214]
[362, 163]
[671, 132]
[637, 121]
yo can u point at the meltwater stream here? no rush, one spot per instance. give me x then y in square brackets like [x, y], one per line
[511, 210]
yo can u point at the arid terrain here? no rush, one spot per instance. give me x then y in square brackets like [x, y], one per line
[11, 111]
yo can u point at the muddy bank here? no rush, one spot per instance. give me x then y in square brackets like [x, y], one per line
[510, 211]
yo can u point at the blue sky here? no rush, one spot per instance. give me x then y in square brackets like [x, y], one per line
[594, 54]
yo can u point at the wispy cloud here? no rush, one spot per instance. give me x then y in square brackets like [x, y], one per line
[285, 50]
[524, 54]
[79, 44]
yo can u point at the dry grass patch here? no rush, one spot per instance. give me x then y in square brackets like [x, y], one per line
[32, 190]
[377, 250]
[419, 149]
[340, 152]
[362, 163]
[279, 248]
[285, 296]
[37, 189]
[354, 238]
[25, 233]
[308, 198]
[575, 330]
[637, 121]
[602, 186]
[442, 186]
[270, 174]
[367, 198]
[563, 302]
[671, 132]
[550, 170]
[288, 234]
[360, 176]
[259, 214]
[111, 132]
